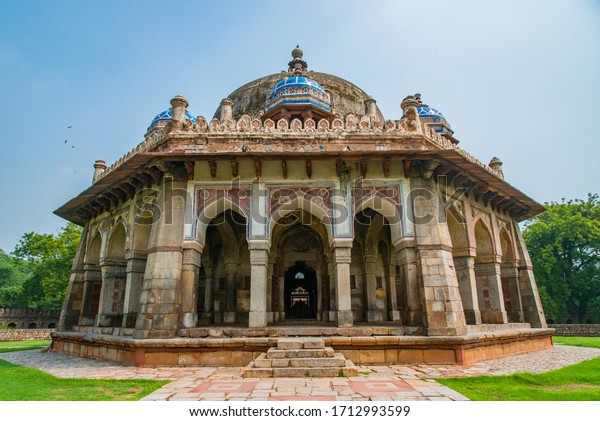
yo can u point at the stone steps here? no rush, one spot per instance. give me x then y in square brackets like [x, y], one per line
[300, 357]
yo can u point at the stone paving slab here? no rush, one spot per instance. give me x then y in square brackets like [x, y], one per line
[375, 383]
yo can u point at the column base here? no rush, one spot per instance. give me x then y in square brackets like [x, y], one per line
[446, 331]
[189, 319]
[331, 316]
[129, 320]
[229, 317]
[257, 319]
[473, 317]
[109, 320]
[394, 315]
[345, 318]
[494, 316]
[515, 317]
[374, 316]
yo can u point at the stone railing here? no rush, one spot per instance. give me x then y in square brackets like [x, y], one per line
[245, 124]
[576, 330]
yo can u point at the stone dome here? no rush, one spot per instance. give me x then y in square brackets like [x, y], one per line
[345, 97]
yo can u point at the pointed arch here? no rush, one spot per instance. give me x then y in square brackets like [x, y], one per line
[387, 209]
[115, 248]
[211, 211]
[303, 204]
[483, 238]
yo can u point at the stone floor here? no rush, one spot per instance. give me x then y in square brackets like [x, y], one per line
[374, 383]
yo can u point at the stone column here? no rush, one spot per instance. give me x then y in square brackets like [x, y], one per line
[209, 296]
[373, 314]
[342, 252]
[487, 271]
[332, 298]
[442, 303]
[510, 274]
[190, 278]
[259, 259]
[393, 313]
[92, 279]
[110, 312]
[465, 272]
[159, 299]
[407, 259]
[136, 266]
[229, 315]
[72, 306]
[530, 298]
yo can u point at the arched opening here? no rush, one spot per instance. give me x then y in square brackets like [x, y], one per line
[12, 325]
[300, 292]
[138, 257]
[223, 285]
[487, 274]
[463, 265]
[510, 280]
[31, 326]
[373, 281]
[299, 286]
[92, 282]
[113, 267]
[51, 325]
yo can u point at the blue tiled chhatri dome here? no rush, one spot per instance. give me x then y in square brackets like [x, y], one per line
[167, 115]
[298, 90]
[434, 119]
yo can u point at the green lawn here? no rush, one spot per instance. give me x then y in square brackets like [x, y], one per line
[21, 383]
[578, 382]
[593, 342]
[22, 345]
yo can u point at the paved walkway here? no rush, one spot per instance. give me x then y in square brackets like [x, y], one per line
[374, 382]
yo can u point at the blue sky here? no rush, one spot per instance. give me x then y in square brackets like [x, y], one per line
[516, 79]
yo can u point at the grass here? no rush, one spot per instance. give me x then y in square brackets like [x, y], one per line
[21, 383]
[578, 382]
[22, 345]
[29, 384]
[593, 342]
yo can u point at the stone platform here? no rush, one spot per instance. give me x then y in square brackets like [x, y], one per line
[362, 345]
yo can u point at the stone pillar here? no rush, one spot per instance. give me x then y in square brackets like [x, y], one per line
[373, 314]
[74, 297]
[230, 290]
[510, 280]
[407, 259]
[226, 109]
[159, 299]
[465, 272]
[178, 107]
[190, 278]
[209, 296]
[342, 252]
[370, 107]
[92, 279]
[487, 271]
[393, 313]
[442, 304]
[110, 313]
[332, 288]
[99, 168]
[530, 298]
[259, 259]
[136, 266]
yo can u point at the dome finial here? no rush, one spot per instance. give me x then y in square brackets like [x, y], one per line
[297, 65]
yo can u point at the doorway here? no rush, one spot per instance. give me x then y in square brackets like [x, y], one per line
[300, 292]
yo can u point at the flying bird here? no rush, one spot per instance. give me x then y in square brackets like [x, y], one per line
[66, 141]
[72, 146]
[68, 127]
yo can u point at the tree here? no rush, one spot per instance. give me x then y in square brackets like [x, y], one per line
[50, 258]
[564, 244]
[12, 278]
